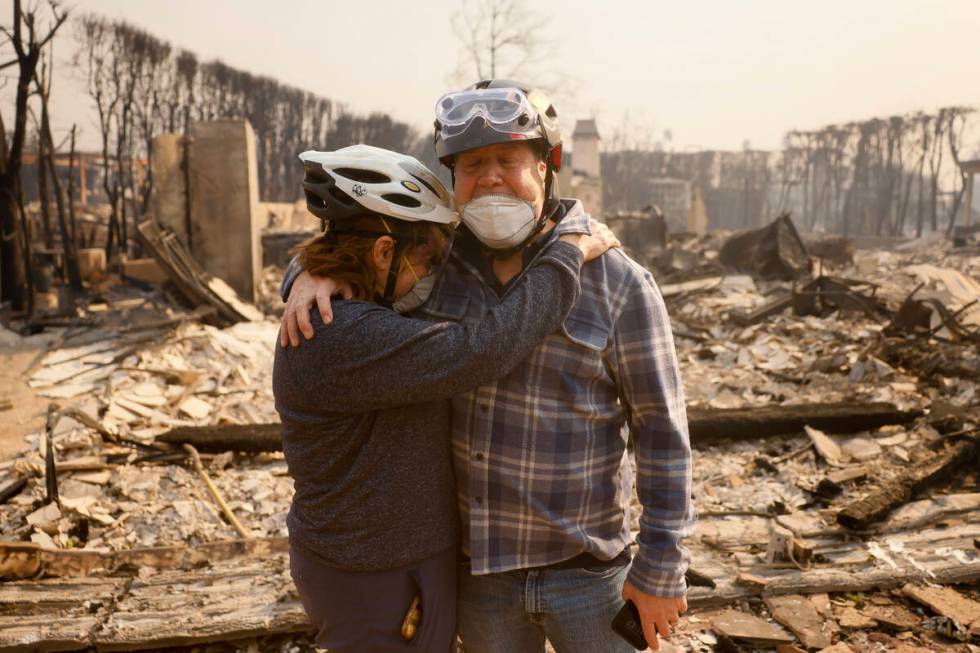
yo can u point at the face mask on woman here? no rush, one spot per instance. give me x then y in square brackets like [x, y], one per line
[500, 221]
[416, 296]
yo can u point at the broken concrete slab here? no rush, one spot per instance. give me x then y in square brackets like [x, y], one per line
[947, 602]
[851, 618]
[839, 647]
[748, 628]
[893, 617]
[798, 614]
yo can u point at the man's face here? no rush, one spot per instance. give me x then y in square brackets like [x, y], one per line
[503, 169]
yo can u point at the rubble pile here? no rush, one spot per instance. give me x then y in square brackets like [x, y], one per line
[789, 359]
[135, 387]
[851, 540]
[834, 418]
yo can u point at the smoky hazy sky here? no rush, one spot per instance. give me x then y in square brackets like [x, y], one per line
[716, 74]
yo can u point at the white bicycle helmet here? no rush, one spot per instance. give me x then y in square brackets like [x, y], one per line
[359, 179]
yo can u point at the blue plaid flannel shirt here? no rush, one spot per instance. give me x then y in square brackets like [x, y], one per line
[541, 457]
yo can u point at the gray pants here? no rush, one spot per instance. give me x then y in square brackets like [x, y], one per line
[362, 612]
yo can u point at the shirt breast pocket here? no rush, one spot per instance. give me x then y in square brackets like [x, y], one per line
[577, 369]
[588, 328]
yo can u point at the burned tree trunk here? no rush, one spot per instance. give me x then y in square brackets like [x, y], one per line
[14, 285]
[47, 163]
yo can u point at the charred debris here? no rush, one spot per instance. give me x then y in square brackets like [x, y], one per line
[833, 406]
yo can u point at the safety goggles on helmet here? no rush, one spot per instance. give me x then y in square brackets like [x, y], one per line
[506, 110]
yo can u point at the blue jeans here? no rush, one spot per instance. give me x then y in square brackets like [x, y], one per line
[515, 611]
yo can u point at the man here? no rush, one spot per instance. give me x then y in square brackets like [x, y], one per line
[544, 479]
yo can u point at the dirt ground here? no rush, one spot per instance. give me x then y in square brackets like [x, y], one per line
[27, 413]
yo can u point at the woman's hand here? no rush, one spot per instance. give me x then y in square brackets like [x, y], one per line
[308, 290]
[593, 246]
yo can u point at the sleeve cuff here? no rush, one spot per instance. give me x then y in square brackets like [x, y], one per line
[656, 582]
[568, 255]
[293, 271]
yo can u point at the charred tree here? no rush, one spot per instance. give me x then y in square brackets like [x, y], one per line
[28, 44]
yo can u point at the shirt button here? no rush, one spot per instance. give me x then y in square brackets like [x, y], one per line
[479, 500]
[479, 456]
[484, 407]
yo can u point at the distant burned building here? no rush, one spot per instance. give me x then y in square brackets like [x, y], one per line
[88, 184]
[581, 175]
[697, 190]
[643, 233]
[673, 196]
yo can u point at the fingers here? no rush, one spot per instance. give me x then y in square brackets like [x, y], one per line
[663, 626]
[682, 605]
[284, 338]
[292, 331]
[326, 310]
[650, 632]
[303, 321]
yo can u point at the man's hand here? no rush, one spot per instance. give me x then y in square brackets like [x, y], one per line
[657, 614]
[306, 291]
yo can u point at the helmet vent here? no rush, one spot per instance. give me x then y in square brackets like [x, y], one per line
[341, 196]
[425, 183]
[315, 172]
[362, 175]
[315, 201]
[402, 200]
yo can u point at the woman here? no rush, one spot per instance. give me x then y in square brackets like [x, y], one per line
[373, 525]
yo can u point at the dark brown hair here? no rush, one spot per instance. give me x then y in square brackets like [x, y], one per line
[347, 256]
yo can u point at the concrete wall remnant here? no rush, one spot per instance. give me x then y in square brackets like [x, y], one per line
[168, 200]
[224, 199]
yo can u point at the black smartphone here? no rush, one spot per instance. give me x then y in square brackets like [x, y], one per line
[627, 625]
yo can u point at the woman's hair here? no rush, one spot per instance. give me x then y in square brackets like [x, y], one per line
[347, 256]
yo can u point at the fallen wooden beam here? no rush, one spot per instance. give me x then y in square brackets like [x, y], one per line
[706, 425]
[179, 608]
[54, 615]
[27, 559]
[711, 425]
[763, 312]
[190, 278]
[822, 581]
[248, 438]
[222, 602]
[899, 491]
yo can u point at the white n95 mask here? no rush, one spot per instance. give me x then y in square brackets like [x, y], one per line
[500, 221]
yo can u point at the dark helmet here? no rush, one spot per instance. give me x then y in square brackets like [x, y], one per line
[496, 111]
[500, 111]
